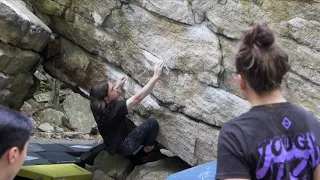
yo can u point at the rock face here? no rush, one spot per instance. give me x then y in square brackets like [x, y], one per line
[108, 39]
[21, 27]
[22, 36]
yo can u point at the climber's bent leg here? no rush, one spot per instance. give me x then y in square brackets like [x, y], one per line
[145, 134]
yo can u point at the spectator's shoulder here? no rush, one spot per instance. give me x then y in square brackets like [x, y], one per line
[239, 124]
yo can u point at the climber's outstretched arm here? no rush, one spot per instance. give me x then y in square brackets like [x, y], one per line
[145, 91]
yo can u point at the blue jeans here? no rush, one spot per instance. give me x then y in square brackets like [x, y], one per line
[145, 134]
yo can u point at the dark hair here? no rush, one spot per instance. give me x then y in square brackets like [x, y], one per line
[100, 109]
[15, 129]
[260, 60]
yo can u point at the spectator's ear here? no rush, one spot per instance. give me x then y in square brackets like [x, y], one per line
[13, 154]
[240, 82]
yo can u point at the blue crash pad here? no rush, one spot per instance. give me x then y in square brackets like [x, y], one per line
[202, 172]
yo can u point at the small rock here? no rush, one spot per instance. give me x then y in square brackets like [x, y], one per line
[57, 129]
[46, 127]
[64, 92]
[86, 137]
[33, 103]
[42, 97]
[100, 175]
[26, 107]
[167, 153]
[45, 135]
[40, 76]
[73, 135]
[58, 136]
[49, 77]
[54, 135]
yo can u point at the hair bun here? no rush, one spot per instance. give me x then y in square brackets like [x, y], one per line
[261, 35]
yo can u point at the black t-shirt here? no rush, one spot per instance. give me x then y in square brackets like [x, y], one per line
[114, 129]
[278, 141]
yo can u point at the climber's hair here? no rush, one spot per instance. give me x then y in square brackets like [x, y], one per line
[15, 129]
[100, 109]
[260, 61]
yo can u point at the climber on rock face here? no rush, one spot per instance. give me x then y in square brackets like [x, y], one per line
[109, 113]
[275, 139]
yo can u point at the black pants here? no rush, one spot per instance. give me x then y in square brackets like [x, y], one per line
[145, 134]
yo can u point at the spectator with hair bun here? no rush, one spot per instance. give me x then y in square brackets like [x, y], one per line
[275, 139]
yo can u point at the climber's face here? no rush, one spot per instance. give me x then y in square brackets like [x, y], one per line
[113, 94]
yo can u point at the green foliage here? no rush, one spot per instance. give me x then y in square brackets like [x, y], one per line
[43, 84]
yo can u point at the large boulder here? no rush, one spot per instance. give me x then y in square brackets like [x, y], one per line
[125, 35]
[305, 32]
[14, 60]
[77, 109]
[191, 96]
[304, 93]
[180, 11]
[15, 79]
[21, 27]
[195, 101]
[194, 142]
[228, 17]
[22, 33]
[14, 89]
[81, 67]
[302, 84]
[109, 39]
[55, 7]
